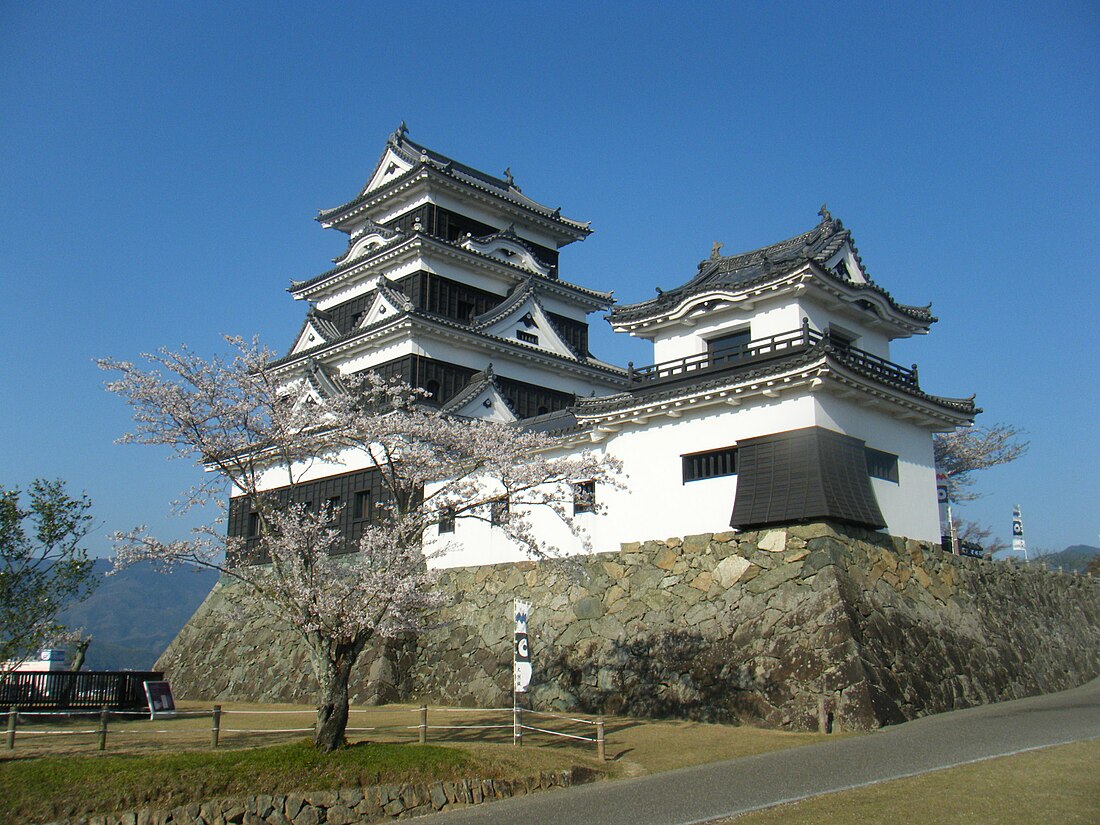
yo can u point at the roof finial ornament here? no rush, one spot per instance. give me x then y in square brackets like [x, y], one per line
[824, 213]
[489, 370]
[399, 133]
[660, 291]
[715, 251]
[508, 177]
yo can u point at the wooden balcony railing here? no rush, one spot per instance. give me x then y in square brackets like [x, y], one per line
[782, 345]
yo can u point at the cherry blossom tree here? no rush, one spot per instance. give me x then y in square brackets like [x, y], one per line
[961, 453]
[259, 431]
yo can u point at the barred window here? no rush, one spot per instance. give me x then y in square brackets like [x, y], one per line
[584, 497]
[882, 465]
[447, 520]
[711, 464]
[362, 505]
[498, 510]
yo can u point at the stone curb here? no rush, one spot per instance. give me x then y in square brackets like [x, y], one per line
[351, 805]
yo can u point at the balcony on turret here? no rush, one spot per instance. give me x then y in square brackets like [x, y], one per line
[737, 355]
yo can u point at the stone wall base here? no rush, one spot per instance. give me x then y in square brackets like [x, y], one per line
[784, 627]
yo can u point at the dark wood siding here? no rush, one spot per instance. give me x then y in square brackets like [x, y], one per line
[339, 489]
[420, 372]
[574, 332]
[451, 226]
[527, 400]
[346, 316]
[442, 296]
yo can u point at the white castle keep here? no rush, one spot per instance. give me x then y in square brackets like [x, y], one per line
[772, 398]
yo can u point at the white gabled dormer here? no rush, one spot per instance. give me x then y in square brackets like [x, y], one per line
[481, 398]
[390, 167]
[522, 318]
[387, 303]
[845, 264]
[316, 330]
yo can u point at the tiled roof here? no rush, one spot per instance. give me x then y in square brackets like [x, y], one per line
[759, 266]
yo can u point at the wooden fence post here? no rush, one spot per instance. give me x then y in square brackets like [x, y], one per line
[215, 725]
[601, 751]
[423, 724]
[13, 720]
[103, 728]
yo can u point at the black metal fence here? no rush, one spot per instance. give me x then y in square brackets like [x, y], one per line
[84, 690]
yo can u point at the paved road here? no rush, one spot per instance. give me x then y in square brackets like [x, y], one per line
[722, 789]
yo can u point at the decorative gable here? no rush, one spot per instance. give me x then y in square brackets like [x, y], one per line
[521, 318]
[366, 240]
[387, 303]
[481, 399]
[391, 166]
[845, 264]
[316, 330]
[507, 246]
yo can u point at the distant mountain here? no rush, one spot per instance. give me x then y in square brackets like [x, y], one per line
[1072, 558]
[134, 614]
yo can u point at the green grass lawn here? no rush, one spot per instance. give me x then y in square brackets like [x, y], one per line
[46, 787]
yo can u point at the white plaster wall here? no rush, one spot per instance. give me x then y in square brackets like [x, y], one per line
[655, 503]
[852, 321]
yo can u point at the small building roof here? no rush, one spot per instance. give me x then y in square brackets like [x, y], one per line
[765, 264]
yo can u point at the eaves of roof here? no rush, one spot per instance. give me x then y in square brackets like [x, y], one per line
[588, 365]
[297, 288]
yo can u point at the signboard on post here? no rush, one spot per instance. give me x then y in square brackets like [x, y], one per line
[161, 703]
[521, 655]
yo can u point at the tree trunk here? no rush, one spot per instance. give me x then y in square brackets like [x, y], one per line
[332, 705]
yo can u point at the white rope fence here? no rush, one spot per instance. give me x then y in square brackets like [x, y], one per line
[215, 714]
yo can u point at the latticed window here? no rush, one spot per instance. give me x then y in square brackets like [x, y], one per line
[584, 497]
[712, 464]
[498, 510]
[447, 520]
[882, 465]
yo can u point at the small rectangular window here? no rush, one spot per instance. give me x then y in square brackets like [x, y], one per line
[882, 465]
[728, 347]
[711, 464]
[584, 497]
[447, 520]
[330, 508]
[498, 510]
[253, 525]
[362, 505]
[527, 337]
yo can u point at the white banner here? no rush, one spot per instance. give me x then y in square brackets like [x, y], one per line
[1018, 543]
[521, 652]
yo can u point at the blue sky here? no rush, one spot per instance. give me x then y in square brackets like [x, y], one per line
[160, 166]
